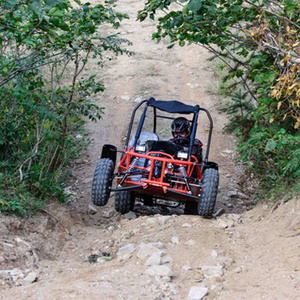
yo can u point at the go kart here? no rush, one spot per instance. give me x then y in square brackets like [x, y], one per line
[153, 169]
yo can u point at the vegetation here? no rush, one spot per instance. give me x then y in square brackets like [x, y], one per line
[259, 45]
[45, 47]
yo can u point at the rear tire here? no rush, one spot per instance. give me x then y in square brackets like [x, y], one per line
[102, 181]
[191, 208]
[124, 201]
[208, 195]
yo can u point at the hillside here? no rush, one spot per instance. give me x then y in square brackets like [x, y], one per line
[78, 251]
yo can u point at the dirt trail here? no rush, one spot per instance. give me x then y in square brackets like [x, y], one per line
[246, 253]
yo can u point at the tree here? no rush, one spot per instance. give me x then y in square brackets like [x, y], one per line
[45, 46]
[258, 41]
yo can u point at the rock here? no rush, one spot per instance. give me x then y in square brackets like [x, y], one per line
[16, 273]
[92, 210]
[154, 259]
[93, 258]
[164, 219]
[214, 253]
[175, 240]
[158, 245]
[138, 100]
[218, 212]
[88, 180]
[4, 274]
[226, 153]
[167, 259]
[250, 203]
[3, 229]
[237, 194]
[186, 225]
[190, 243]
[125, 252]
[126, 98]
[30, 278]
[146, 250]
[229, 220]
[130, 215]
[234, 217]
[81, 161]
[216, 279]
[152, 221]
[233, 194]
[107, 214]
[161, 270]
[222, 223]
[197, 293]
[186, 268]
[210, 271]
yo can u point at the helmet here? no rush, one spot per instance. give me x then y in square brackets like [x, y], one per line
[181, 124]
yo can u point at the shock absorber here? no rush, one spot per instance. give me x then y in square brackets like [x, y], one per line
[130, 168]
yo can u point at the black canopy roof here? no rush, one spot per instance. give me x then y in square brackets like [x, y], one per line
[173, 106]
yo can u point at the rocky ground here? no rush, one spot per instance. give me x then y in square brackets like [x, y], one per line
[78, 251]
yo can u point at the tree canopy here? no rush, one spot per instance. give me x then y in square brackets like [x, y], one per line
[258, 42]
[45, 46]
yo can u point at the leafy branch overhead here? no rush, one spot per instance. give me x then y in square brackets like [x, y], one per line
[45, 32]
[260, 37]
[257, 42]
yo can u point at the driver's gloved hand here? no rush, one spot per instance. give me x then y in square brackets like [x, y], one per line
[179, 141]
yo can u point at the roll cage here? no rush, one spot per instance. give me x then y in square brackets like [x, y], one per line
[170, 107]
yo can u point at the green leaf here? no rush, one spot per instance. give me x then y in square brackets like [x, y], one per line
[271, 145]
[50, 3]
[35, 5]
[9, 3]
[272, 76]
[265, 100]
[185, 9]
[258, 78]
[64, 26]
[195, 5]
[55, 21]
[58, 13]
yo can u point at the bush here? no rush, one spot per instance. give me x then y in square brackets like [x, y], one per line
[45, 46]
[259, 46]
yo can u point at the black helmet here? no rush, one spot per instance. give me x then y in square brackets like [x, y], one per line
[181, 124]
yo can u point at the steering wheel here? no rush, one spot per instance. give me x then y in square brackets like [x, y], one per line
[179, 140]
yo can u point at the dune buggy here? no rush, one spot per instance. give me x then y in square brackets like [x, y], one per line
[153, 169]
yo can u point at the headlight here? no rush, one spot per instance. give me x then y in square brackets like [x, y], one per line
[140, 148]
[183, 155]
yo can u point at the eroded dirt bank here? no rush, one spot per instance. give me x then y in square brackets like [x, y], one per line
[249, 252]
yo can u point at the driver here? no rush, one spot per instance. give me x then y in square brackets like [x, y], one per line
[181, 131]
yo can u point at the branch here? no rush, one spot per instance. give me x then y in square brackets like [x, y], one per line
[59, 222]
[273, 13]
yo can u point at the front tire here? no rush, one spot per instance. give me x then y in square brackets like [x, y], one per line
[102, 181]
[208, 195]
[124, 201]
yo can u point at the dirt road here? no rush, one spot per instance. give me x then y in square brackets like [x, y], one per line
[246, 253]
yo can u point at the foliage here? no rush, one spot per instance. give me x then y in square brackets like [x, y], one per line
[45, 47]
[258, 42]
